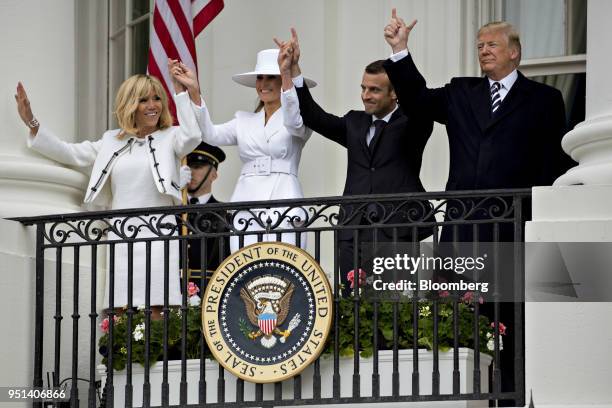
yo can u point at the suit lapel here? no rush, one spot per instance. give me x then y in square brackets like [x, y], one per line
[480, 102]
[515, 98]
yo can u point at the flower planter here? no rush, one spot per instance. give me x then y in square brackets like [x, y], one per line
[466, 361]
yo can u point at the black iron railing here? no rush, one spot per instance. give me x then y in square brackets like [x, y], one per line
[329, 224]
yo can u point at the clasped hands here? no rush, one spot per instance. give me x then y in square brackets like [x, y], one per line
[289, 55]
[184, 79]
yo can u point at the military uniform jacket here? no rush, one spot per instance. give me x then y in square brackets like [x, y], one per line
[216, 252]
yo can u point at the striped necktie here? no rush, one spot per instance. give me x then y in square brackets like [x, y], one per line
[495, 96]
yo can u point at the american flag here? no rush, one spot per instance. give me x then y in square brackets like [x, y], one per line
[176, 23]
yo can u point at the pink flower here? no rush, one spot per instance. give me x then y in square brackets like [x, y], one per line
[105, 323]
[444, 293]
[468, 297]
[192, 289]
[502, 328]
[350, 276]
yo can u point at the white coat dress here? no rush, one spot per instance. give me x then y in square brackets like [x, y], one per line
[134, 173]
[270, 154]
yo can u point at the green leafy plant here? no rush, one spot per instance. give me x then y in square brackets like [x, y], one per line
[346, 342]
[121, 335]
[405, 328]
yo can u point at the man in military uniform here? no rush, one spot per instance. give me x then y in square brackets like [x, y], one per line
[204, 163]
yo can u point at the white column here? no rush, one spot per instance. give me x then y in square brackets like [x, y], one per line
[590, 143]
[568, 345]
[39, 49]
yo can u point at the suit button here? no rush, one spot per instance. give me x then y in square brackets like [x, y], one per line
[372, 168]
[188, 245]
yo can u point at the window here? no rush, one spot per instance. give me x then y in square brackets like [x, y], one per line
[553, 35]
[129, 24]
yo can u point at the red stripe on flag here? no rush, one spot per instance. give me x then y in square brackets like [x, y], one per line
[204, 17]
[177, 37]
[164, 35]
[185, 28]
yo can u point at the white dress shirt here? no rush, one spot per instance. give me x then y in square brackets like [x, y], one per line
[203, 199]
[386, 118]
[298, 82]
[506, 84]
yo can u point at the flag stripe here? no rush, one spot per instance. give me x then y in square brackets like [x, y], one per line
[165, 39]
[173, 36]
[206, 15]
[181, 32]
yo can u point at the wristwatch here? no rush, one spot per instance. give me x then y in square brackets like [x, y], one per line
[33, 123]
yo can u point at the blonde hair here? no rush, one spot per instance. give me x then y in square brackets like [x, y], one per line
[514, 39]
[128, 97]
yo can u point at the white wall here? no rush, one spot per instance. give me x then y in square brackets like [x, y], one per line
[39, 49]
[338, 38]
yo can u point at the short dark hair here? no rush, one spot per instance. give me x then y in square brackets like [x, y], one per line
[376, 67]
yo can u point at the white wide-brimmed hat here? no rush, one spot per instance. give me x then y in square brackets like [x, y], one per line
[267, 64]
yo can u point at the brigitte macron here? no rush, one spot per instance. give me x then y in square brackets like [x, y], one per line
[134, 166]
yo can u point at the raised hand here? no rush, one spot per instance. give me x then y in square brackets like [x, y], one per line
[397, 32]
[294, 46]
[285, 62]
[184, 79]
[23, 107]
[188, 78]
[285, 57]
[174, 69]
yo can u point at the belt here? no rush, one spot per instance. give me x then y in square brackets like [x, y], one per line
[263, 166]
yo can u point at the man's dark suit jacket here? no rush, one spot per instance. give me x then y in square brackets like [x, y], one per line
[207, 222]
[517, 147]
[394, 164]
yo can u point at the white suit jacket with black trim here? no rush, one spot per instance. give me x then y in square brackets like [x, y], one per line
[165, 149]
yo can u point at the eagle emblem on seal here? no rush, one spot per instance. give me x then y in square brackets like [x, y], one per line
[267, 300]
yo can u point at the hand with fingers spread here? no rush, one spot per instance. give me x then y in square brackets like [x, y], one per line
[24, 109]
[397, 32]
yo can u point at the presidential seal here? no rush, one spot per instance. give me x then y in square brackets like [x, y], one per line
[267, 311]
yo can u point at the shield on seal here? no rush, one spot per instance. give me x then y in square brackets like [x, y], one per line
[267, 322]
